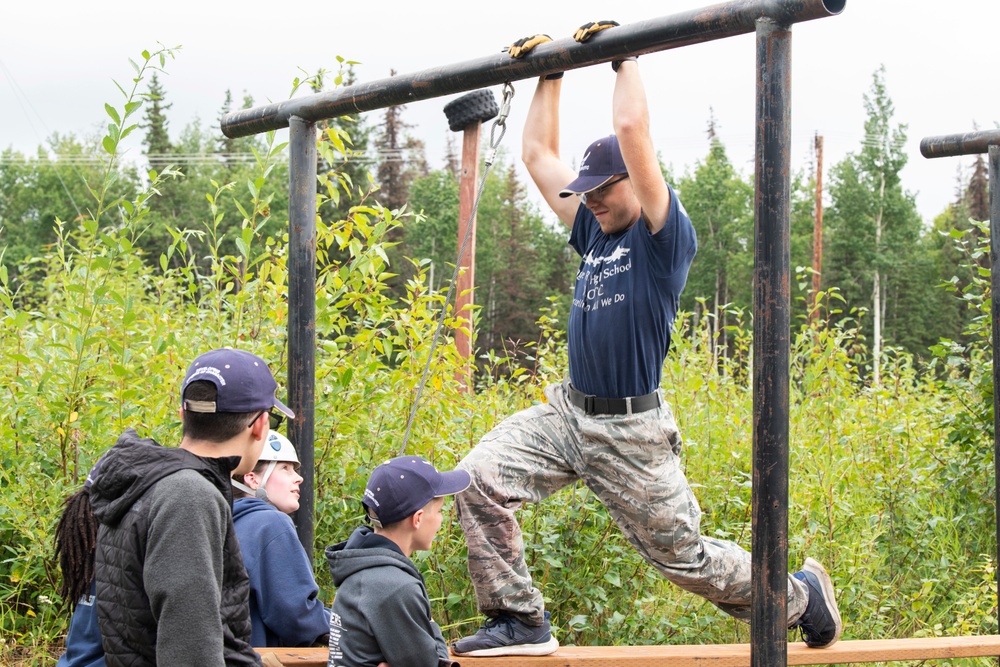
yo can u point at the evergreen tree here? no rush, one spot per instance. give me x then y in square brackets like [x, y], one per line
[157, 139]
[392, 175]
[719, 202]
[978, 193]
[35, 191]
[432, 235]
[223, 144]
[521, 260]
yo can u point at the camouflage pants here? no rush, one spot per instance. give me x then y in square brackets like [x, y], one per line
[631, 463]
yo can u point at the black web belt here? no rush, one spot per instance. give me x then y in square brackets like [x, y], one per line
[596, 405]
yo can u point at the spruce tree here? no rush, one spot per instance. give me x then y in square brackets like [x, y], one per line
[157, 139]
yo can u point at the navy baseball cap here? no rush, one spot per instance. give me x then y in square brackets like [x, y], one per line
[92, 475]
[602, 162]
[401, 486]
[243, 381]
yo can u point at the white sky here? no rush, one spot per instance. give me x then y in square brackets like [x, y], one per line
[58, 60]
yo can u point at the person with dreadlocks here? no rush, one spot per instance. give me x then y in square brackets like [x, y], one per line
[285, 609]
[76, 535]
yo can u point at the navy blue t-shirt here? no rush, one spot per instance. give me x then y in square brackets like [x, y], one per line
[627, 293]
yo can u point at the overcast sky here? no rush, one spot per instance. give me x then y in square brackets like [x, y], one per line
[58, 60]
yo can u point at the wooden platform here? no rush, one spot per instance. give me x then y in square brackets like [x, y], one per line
[716, 655]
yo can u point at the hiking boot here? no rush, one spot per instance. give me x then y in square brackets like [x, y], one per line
[506, 635]
[820, 624]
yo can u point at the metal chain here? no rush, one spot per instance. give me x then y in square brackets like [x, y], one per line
[500, 122]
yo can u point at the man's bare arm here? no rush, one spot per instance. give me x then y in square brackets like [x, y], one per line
[630, 114]
[540, 150]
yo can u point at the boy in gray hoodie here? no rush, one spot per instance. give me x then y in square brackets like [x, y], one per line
[381, 613]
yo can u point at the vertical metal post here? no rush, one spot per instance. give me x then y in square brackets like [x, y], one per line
[771, 334]
[302, 314]
[466, 280]
[994, 156]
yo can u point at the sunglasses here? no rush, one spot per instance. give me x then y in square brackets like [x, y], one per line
[598, 193]
[276, 419]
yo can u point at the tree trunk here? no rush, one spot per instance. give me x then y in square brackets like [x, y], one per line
[877, 344]
[877, 289]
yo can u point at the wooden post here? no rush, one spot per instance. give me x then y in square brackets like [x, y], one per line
[467, 262]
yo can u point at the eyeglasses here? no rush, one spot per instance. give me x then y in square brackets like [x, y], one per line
[598, 193]
[275, 419]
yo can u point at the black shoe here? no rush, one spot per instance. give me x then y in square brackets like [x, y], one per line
[820, 624]
[506, 635]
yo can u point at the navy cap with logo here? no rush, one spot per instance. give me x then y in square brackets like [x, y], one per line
[602, 162]
[401, 486]
[243, 381]
[92, 475]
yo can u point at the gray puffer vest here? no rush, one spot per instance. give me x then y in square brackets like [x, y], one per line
[130, 469]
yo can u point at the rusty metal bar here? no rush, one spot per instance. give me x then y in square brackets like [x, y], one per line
[994, 155]
[771, 345]
[302, 315]
[770, 20]
[692, 27]
[951, 145]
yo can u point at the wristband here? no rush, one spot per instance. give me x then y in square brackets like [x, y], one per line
[554, 76]
[615, 64]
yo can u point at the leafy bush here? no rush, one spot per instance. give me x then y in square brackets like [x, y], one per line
[889, 485]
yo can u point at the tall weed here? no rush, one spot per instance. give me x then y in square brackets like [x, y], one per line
[890, 486]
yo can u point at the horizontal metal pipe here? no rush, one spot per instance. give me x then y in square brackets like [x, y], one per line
[691, 27]
[950, 145]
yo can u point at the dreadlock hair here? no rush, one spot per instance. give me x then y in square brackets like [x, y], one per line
[76, 539]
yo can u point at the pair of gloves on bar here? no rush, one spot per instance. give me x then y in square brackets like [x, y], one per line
[523, 46]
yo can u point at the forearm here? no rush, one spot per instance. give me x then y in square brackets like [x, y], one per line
[629, 108]
[540, 138]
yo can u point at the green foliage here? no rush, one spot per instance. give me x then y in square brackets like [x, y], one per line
[873, 233]
[890, 486]
[521, 259]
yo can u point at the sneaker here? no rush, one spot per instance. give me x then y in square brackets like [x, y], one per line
[506, 635]
[820, 624]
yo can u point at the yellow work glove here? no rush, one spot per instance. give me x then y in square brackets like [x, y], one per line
[521, 47]
[588, 30]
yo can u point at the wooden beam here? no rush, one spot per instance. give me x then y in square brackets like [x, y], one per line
[716, 655]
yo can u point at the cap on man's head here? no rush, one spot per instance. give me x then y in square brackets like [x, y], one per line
[242, 380]
[92, 475]
[602, 162]
[401, 486]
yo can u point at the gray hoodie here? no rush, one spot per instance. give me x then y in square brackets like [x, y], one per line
[381, 612]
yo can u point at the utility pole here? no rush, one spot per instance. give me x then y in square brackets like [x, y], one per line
[818, 229]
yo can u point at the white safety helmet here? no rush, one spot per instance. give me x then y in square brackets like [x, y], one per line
[277, 449]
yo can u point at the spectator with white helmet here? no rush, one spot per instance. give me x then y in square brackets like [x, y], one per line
[285, 609]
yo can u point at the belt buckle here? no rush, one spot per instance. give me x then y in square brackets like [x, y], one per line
[628, 405]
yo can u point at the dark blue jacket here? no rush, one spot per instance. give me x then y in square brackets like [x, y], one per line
[284, 607]
[83, 641]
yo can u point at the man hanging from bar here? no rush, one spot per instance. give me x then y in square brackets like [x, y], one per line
[607, 424]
